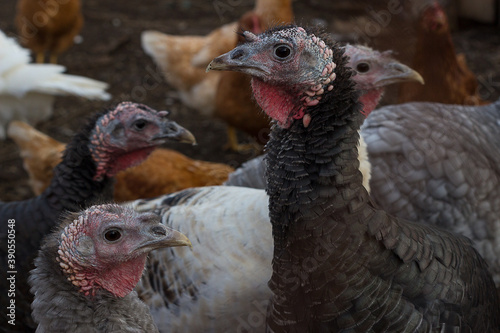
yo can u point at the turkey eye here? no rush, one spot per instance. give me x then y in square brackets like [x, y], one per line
[282, 51]
[112, 235]
[363, 67]
[140, 124]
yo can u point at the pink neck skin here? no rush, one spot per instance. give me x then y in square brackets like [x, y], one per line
[118, 280]
[108, 166]
[370, 99]
[274, 100]
[121, 280]
[129, 160]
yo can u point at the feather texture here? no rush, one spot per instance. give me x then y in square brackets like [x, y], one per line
[72, 282]
[220, 284]
[441, 168]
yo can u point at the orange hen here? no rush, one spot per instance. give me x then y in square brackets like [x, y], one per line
[165, 171]
[40, 154]
[48, 26]
[447, 78]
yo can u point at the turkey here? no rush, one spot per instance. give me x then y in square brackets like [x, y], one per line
[441, 171]
[182, 59]
[27, 91]
[220, 285]
[88, 267]
[111, 141]
[439, 164]
[374, 71]
[339, 262]
[224, 289]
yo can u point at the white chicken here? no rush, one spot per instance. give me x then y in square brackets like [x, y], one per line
[27, 90]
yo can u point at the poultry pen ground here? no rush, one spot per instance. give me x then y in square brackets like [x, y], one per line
[109, 50]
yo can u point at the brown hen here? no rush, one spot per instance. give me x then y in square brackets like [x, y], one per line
[48, 26]
[447, 78]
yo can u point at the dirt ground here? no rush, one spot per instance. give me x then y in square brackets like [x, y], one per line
[110, 51]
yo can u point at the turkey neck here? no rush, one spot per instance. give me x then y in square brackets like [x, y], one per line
[71, 189]
[313, 171]
[314, 183]
[74, 177]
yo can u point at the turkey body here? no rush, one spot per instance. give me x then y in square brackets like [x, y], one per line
[339, 262]
[441, 169]
[220, 285]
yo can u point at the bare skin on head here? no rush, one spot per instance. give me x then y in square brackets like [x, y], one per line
[374, 70]
[125, 137]
[308, 92]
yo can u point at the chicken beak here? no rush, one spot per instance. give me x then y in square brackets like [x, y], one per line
[397, 72]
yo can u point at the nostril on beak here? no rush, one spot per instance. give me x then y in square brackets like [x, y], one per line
[159, 231]
[400, 68]
[236, 54]
[173, 127]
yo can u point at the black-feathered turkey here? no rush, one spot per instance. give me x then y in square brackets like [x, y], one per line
[340, 263]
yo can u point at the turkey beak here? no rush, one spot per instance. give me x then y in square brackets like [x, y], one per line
[240, 59]
[162, 236]
[397, 72]
[175, 132]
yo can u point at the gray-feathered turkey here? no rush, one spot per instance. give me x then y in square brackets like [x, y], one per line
[112, 141]
[340, 263]
[87, 269]
[440, 164]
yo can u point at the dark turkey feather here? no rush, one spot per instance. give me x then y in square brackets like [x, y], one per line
[431, 163]
[71, 189]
